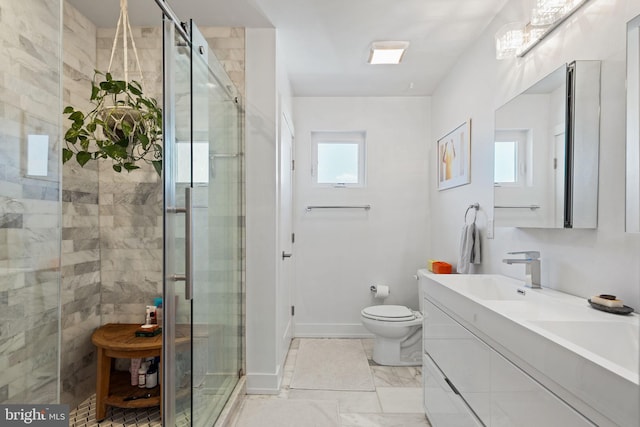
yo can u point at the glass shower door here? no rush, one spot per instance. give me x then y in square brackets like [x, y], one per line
[178, 230]
[203, 235]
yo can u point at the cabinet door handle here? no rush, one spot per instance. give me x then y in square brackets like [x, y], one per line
[455, 390]
[286, 255]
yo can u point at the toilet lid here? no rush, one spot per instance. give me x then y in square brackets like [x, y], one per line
[389, 313]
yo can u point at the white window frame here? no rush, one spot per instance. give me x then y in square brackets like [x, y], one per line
[334, 137]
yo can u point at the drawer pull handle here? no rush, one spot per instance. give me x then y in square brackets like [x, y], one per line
[455, 390]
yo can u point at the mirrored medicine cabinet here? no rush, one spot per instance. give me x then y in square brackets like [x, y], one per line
[633, 127]
[546, 152]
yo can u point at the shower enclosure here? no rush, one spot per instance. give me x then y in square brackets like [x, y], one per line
[30, 206]
[203, 229]
[51, 284]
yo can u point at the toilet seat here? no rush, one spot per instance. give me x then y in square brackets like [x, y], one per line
[389, 313]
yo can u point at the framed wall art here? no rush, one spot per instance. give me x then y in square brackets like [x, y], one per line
[454, 157]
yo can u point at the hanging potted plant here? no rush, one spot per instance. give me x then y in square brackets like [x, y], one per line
[124, 125]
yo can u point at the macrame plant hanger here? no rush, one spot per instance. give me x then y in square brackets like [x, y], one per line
[123, 22]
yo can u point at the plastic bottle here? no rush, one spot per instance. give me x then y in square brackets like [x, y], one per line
[158, 303]
[142, 376]
[135, 366]
[152, 376]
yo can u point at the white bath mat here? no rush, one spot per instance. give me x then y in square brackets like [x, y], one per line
[274, 412]
[332, 364]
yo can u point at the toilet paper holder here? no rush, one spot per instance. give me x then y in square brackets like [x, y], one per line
[383, 294]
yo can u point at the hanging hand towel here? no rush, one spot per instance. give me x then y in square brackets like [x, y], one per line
[475, 253]
[469, 248]
[466, 247]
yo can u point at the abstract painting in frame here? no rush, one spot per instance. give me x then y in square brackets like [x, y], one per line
[454, 157]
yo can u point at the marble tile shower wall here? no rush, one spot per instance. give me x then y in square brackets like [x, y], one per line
[228, 45]
[30, 216]
[130, 204]
[80, 291]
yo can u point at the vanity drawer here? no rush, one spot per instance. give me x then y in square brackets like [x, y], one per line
[498, 392]
[442, 405]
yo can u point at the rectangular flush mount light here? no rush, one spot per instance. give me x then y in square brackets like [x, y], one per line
[387, 52]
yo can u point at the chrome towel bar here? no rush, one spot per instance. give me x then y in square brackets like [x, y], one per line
[365, 207]
[532, 207]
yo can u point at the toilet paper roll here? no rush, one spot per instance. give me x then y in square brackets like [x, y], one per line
[382, 291]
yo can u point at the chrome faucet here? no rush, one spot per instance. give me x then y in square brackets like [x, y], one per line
[532, 272]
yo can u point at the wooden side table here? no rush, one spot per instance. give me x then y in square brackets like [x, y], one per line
[118, 340]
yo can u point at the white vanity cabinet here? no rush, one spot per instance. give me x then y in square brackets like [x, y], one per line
[465, 378]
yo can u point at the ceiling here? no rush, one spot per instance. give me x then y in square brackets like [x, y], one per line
[325, 43]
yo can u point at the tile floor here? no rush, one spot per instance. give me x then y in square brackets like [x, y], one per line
[396, 401]
[85, 416]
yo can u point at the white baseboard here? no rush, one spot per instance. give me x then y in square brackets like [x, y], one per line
[264, 383]
[331, 330]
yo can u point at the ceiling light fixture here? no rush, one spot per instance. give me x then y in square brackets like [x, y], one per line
[387, 52]
[515, 39]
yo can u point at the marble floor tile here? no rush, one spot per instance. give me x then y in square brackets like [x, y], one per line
[402, 400]
[384, 420]
[367, 344]
[290, 361]
[286, 378]
[397, 376]
[348, 401]
[288, 413]
[85, 416]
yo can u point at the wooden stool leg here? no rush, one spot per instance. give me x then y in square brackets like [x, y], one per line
[102, 384]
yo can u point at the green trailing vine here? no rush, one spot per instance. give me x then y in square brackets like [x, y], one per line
[124, 126]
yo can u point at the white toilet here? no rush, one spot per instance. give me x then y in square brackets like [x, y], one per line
[398, 332]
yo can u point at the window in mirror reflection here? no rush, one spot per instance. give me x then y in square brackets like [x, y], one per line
[506, 160]
[510, 158]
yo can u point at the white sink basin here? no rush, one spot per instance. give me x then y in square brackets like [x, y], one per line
[620, 339]
[488, 287]
[491, 289]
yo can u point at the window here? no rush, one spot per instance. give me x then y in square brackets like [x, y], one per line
[338, 159]
[510, 158]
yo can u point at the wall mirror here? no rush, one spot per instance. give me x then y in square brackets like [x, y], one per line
[633, 127]
[546, 152]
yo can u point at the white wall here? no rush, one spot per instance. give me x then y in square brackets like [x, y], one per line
[580, 262]
[260, 155]
[268, 95]
[340, 253]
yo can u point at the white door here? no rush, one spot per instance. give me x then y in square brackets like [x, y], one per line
[286, 279]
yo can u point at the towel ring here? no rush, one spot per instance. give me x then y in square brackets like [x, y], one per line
[475, 207]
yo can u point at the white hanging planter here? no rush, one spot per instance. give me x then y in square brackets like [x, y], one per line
[124, 125]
